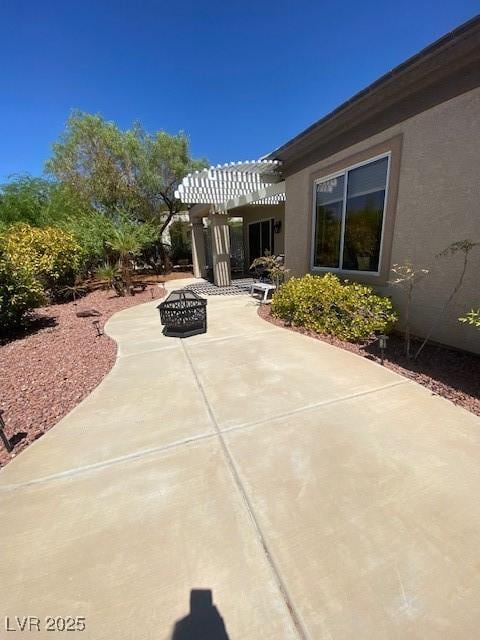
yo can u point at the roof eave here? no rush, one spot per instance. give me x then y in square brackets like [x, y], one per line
[440, 58]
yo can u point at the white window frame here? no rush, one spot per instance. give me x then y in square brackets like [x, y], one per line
[337, 174]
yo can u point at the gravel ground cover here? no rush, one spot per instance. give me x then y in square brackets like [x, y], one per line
[454, 375]
[59, 360]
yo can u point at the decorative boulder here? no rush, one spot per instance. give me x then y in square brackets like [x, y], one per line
[88, 313]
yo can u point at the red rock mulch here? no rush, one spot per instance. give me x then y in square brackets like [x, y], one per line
[49, 370]
[454, 375]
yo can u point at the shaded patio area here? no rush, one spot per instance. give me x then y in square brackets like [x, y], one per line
[237, 287]
[237, 215]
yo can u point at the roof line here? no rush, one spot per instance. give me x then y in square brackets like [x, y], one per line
[393, 73]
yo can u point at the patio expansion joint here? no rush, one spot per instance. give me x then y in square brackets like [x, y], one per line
[125, 356]
[68, 473]
[71, 473]
[315, 405]
[302, 634]
[122, 356]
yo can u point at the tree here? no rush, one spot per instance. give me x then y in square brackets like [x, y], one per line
[131, 171]
[163, 162]
[42, 203]
[406, 277]
[126, 242]
[25, 199]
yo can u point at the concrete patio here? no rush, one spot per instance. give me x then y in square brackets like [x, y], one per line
[315, 493]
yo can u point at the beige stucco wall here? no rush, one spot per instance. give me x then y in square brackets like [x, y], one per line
[438, 203]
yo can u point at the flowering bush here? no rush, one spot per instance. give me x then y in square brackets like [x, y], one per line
[325, 304]
[48, 255]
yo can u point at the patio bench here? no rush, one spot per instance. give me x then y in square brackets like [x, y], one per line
[264, 288]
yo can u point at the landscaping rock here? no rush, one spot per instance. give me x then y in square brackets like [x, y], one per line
[88, 313]
[45, 373]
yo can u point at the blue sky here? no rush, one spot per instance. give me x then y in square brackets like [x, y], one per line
[240, 78]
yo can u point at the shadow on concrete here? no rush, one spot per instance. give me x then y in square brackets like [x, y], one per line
[204, 622]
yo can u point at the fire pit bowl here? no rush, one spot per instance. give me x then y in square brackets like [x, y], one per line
[183, 314]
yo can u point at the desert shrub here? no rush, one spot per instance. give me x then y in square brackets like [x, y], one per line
[48, 255]
[19, 292]
[107, 274]
[325, 304]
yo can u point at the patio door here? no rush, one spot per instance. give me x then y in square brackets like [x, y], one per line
[260, 239]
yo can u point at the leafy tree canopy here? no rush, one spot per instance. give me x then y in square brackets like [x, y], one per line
[129, 171]
[38, 202]
[25, 199]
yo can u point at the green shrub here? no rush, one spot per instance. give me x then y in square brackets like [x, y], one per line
[324, 304]
[48, 255]
[92, 232]
[19, 292]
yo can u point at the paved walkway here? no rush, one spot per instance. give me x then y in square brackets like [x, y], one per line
[314, 493]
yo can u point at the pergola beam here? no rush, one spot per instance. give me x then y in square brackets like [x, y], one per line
[233, 185]
[254, 197]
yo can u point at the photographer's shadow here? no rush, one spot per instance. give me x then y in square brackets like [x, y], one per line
[204, 622]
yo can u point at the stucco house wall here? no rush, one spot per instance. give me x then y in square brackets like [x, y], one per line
[437, 202]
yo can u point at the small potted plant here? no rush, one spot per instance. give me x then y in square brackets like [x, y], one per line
[271, 265]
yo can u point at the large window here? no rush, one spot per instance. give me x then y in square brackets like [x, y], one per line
[349, 210]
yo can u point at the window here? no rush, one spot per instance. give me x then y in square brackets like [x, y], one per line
[349, 211]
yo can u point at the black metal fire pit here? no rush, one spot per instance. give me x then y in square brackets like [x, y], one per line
[183, 314]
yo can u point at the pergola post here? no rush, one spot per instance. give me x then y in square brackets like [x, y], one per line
[198, 249]
[220, 249]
